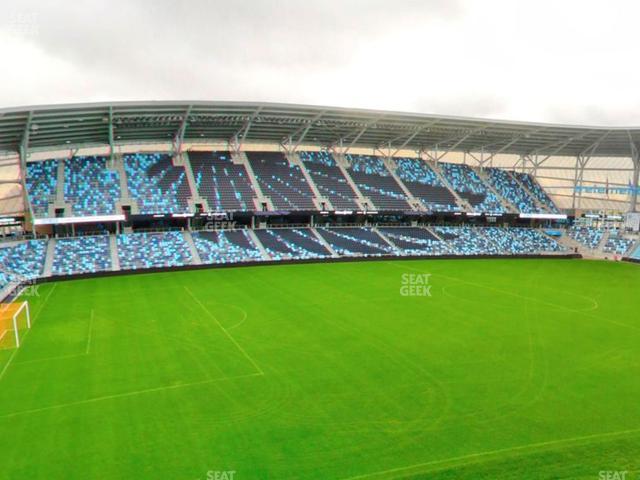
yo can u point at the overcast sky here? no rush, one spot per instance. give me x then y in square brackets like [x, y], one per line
[557, 61]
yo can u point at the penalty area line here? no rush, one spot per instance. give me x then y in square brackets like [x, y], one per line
[224, 330]
[126, 395]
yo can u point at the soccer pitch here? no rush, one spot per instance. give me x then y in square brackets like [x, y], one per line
[510, 369]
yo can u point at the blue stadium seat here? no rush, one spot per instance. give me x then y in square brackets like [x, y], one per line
[297, 243]
[375, 182]
[82, 255]
[156, 184]
[42, 180]
[90, 187]
[149, 250]
[226, 246]
[329, 179]
[223, 184]
[468, 184]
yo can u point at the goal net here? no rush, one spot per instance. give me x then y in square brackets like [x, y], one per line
[14, 322]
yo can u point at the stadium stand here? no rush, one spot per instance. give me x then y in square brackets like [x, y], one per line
[148, 250]
[156, 184]
[466, 240]
[511, 190]
[536, 190]
[226, 246]
[355, 241]
[42, 180]
[470, 186]
[329, 179]
[90, 187]
[374, 181]
[424, 184]
[635, 254]
[590, 237]
[414, 241]
[81, 255]
[617, 244]
[519, 241]
[224, 185]
[281, 181]
[298, 243]
[22, 261]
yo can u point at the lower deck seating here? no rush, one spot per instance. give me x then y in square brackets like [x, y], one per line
[149, 250]
[635, 253]
[520, 241]
[617, 244]
[467, 241]
[226, 246]
[590, 237]
[414, 241]
[355, 241]
[81, 255]
[20, 262]
[298, 243]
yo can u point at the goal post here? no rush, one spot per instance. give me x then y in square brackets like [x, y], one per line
[15, 320]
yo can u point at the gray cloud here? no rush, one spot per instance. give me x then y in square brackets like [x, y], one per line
[493, 58]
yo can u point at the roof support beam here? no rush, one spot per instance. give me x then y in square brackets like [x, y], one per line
[301, 133]
[238, 138]
[112, 149]
[178, 138]
[635, 182]
[23, 155]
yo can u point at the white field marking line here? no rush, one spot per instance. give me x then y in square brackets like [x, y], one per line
[47, 359]
[229, 336]
[35, 317]
[537, 300]
[127, 394]
[471, 458]
[89, 334]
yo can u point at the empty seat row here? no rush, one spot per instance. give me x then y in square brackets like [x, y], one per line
[297, 243]
[42, 181]
[468, 184]
[226, 246]
[424, 184]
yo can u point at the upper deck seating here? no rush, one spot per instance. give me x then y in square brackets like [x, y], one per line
[281, 181]
[468, 184]
[42, 181]
[329, 179]
[506, 186]
[223, 184]
[375, 182]
[90, 187]
[424, 184]
[156, 184]
[537, 191]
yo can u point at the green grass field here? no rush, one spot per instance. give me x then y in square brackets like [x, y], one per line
[511, 369]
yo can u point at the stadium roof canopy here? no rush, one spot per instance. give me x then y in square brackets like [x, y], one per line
[50, 127]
